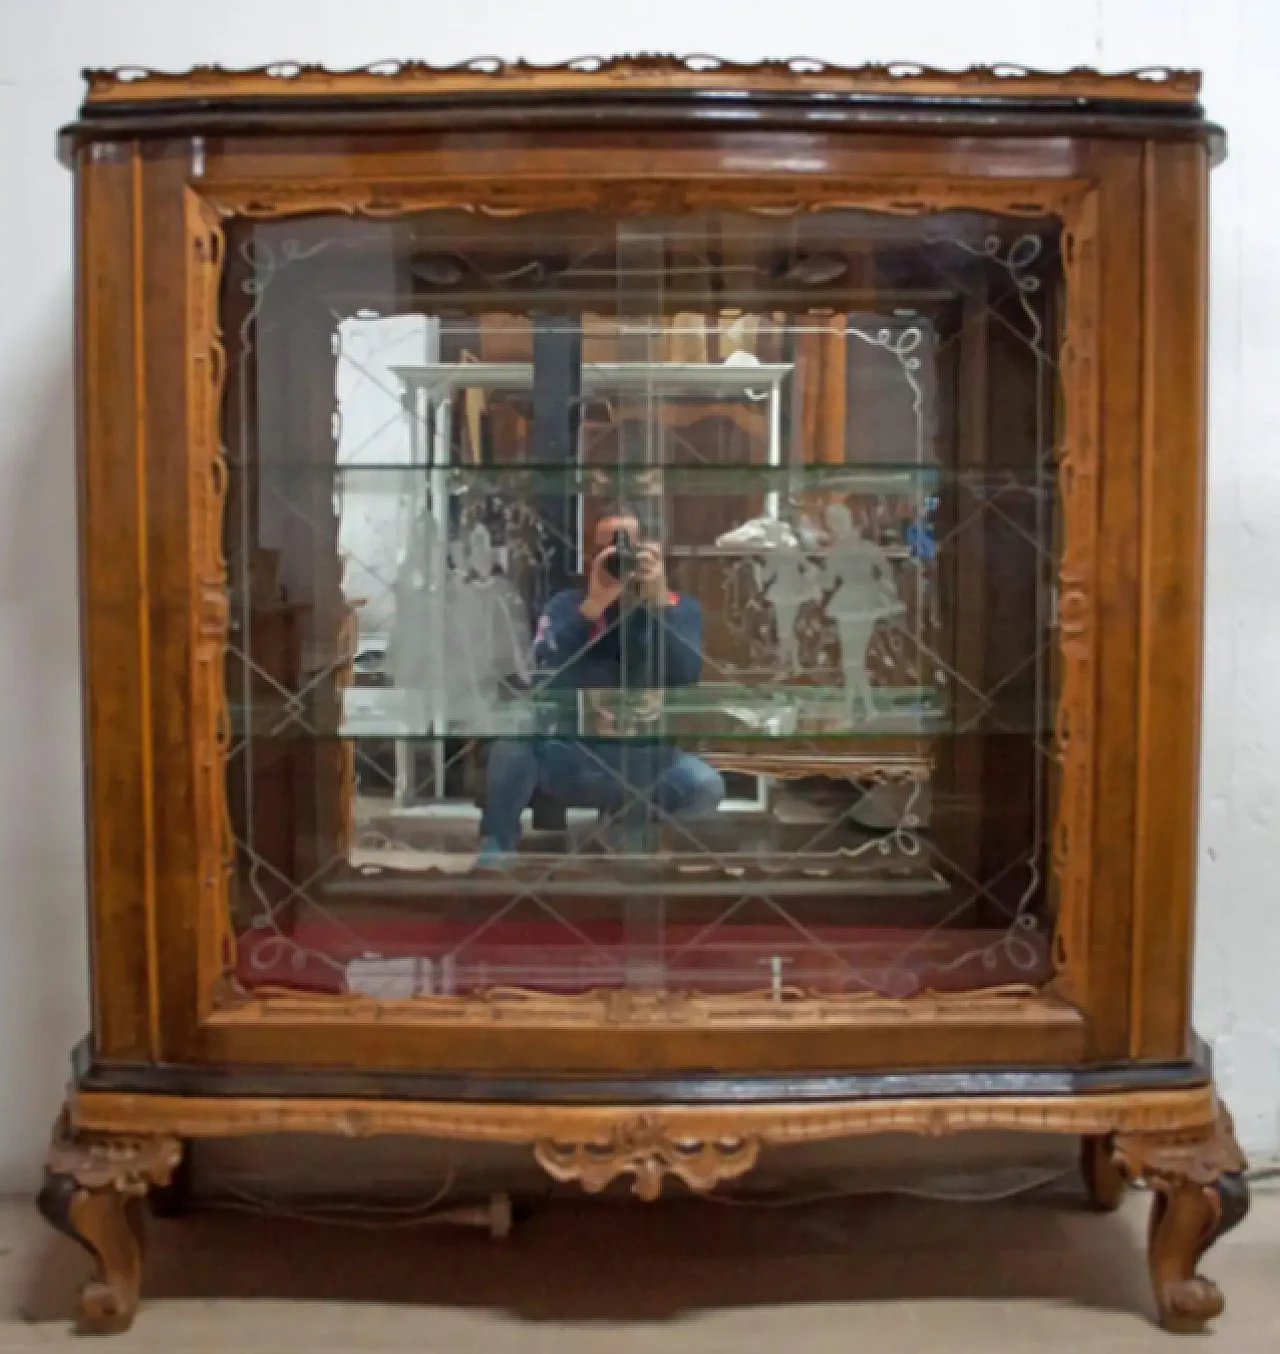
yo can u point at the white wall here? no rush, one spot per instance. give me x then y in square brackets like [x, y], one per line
[43, 45]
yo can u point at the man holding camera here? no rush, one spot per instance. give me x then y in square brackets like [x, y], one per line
[627, 630]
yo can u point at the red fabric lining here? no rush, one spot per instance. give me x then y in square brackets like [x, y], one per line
[896, 961]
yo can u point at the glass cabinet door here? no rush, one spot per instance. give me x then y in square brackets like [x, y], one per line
[652, 605]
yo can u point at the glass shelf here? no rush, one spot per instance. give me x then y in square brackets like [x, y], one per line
[885, 479]
[769, 714]
[440, 380]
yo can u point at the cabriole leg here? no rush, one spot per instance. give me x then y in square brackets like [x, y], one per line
[1198, 1194]
[94, 1191]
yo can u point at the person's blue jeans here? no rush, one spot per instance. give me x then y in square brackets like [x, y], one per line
[632, 785]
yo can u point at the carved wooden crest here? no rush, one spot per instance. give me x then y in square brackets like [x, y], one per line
[287, 80]
[649, 1150]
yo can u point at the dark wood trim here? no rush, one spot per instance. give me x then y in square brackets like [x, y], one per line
[146, 825]
[1171, 594]
[94, 1074]
[165, 491]
[1116, 426]
[904, 119]
[1058, 1037]
[114, 585]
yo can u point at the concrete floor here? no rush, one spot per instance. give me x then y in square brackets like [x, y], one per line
[869, 1273]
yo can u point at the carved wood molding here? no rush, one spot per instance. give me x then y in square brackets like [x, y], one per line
[121, 1163]
[780, 195]
[206, 359]
[651, 1008]
[644, 1148]
[288, 80]
[1072, 201]
[1078, 488]
[699, 1144]
[1198, 1158]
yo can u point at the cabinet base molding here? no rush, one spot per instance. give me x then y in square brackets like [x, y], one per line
[110, 1148]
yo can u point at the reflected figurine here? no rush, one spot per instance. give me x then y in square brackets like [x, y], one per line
[419, 615]
[481, 557]
[787, 580]
[489, 623]
[461, 629]
[862, 578]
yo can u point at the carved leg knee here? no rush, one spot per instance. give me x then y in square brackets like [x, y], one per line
[94, 1191]
[1199, 1194]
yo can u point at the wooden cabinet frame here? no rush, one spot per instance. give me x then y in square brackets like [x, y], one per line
[164, 162]
[201, 1021]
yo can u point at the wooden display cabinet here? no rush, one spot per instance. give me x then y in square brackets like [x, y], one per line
[900, 375]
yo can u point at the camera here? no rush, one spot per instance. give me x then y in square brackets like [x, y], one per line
[622, 563]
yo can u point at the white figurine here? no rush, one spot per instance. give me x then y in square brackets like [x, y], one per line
[419, 614]
[490, 621]
[480, 553]
[787, 580]
[460, 630]
[861, 575]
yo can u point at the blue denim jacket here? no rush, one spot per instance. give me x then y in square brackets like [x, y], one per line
[640, 647]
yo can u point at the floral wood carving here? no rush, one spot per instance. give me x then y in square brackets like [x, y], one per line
[126, 1164]
[652, 1008]
[290, 79]
[789, 195]
[642, 1147]
[1196, 1158]
[1077, 574]
[210, 612]
[1072, 201]
[702, 1145]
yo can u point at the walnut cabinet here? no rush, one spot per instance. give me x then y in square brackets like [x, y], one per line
[645, 608]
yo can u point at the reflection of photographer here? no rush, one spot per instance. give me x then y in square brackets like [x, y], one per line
[625, 629]
[609, 716]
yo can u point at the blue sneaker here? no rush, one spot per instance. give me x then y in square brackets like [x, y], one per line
[492, 856]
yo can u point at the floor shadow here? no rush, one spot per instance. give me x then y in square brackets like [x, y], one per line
[611, 1261]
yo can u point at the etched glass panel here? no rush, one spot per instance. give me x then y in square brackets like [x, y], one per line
[662, 605]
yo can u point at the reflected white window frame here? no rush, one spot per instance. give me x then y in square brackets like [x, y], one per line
[428, 393]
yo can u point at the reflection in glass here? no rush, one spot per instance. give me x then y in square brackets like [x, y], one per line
[642, 604]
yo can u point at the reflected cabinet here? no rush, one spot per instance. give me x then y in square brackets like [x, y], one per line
[647, 608]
